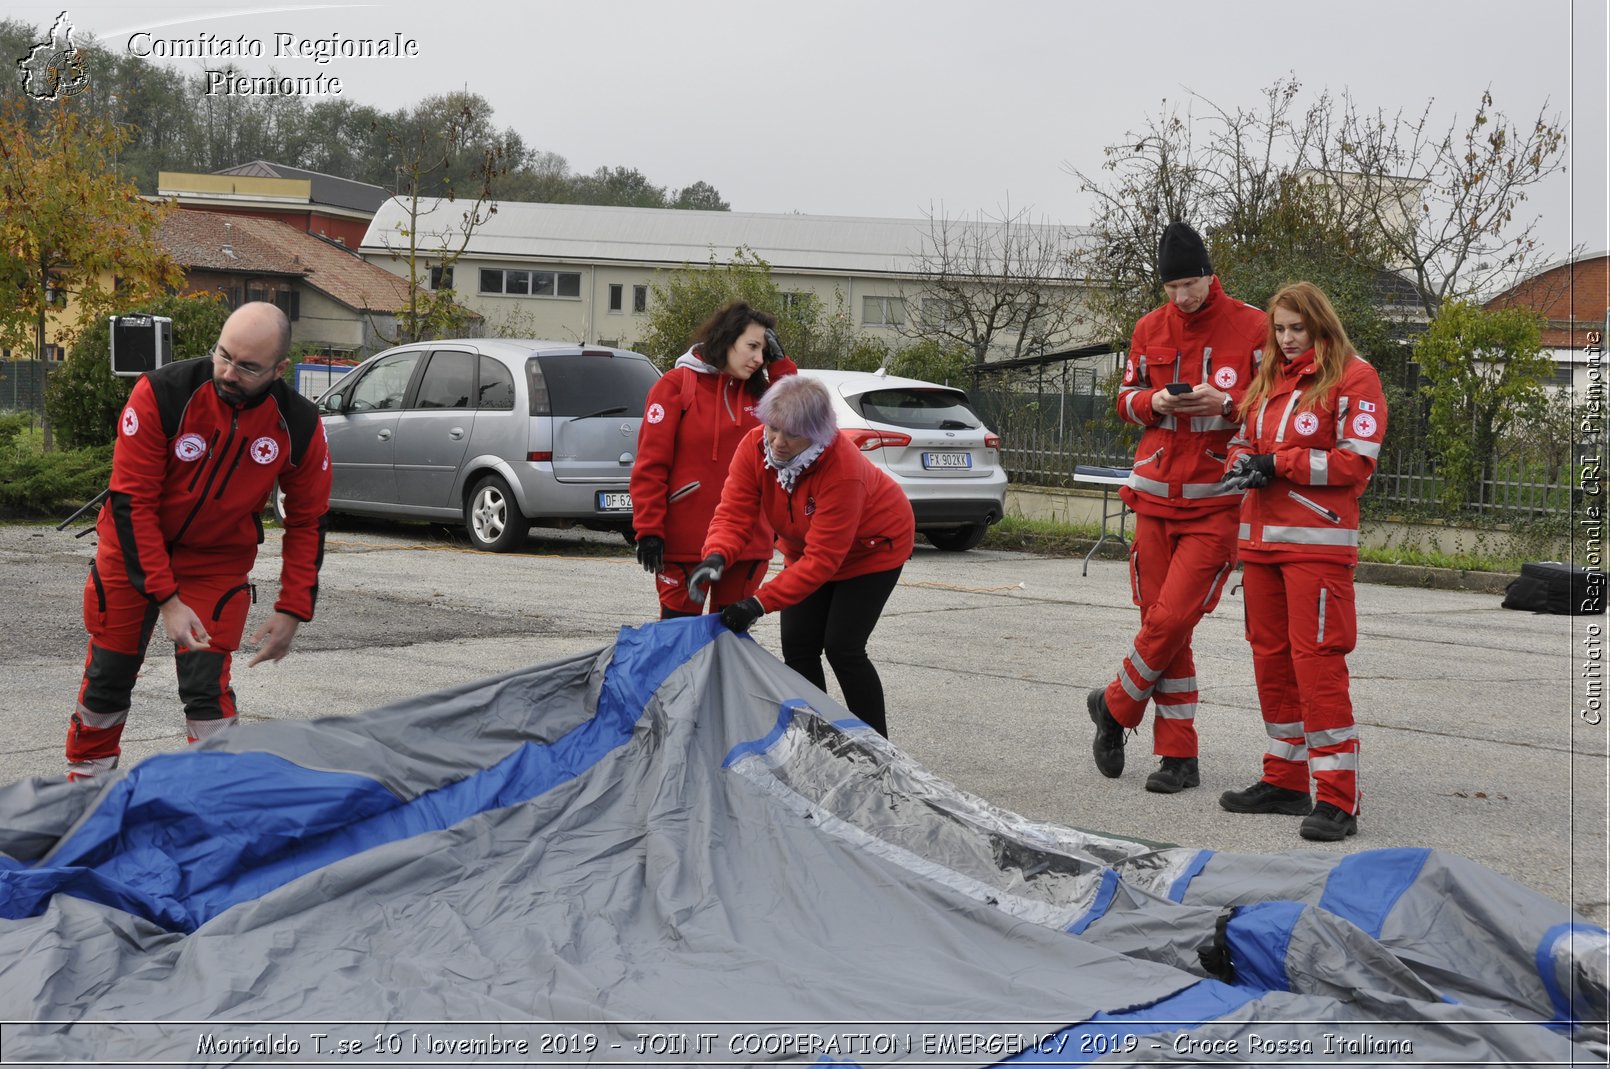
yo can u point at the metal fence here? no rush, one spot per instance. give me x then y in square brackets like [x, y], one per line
[22, 384]
[1054, 416]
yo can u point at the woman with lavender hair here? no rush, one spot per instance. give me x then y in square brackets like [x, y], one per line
[845, 530]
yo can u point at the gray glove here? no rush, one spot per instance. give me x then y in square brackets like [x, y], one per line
[707, 572]
[774, 348]
[1250, 471]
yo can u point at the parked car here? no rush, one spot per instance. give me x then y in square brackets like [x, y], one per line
[933, 443]
[498, 433]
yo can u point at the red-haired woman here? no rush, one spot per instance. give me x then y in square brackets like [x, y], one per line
[1312, 424]
[693, 419]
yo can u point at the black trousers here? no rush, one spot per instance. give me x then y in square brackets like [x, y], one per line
[837, 620]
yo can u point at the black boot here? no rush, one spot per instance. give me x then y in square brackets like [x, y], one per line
[1264, 797]
[1328, 824]
[1174, 775]
[1108, 746]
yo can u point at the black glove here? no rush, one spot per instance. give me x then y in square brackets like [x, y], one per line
[1250, 470]
[708, 571]
[742, 616]
[651, 553]
[774, 348]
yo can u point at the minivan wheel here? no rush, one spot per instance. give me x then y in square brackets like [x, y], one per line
[493, 517]
[957, 539]
[276, 504]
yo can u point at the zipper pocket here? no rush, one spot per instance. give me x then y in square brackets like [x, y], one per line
[1153, 459]
[677, 495]
[1314, 506]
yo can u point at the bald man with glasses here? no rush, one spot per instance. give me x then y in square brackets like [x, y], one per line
[200, 445]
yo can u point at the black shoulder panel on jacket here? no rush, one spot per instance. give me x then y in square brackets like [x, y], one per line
[301, 418]
[174, 384]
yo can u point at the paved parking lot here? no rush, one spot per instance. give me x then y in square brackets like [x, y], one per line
[1470, 739]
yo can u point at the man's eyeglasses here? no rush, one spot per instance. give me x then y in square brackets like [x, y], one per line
[245, 371]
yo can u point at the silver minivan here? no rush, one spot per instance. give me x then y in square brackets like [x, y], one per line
[498, 433]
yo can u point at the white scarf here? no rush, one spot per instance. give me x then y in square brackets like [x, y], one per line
[789, 471]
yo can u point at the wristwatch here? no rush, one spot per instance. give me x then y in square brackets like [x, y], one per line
[1228, 408]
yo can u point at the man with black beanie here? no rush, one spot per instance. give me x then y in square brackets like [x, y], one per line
[1189, 364]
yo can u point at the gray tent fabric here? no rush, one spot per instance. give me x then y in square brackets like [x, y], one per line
[676, 851]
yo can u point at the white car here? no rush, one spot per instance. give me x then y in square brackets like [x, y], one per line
[934, 445]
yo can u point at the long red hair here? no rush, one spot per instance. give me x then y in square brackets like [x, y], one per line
[1331, 347]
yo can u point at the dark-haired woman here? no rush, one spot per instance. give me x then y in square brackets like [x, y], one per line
[1311, 430]
[693, 420]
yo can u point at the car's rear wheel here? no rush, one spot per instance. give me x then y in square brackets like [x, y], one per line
[276, 504]
[493, 517]
[957, 539]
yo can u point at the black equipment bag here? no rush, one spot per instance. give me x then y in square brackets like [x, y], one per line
[1562, 589]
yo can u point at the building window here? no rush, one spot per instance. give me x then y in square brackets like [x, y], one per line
[1564, 375]
[939, 313]
[531, 283]
[793, 299]
[639, 299]
[441, 278]
[882, 311]
[617, 297]
[289, 302]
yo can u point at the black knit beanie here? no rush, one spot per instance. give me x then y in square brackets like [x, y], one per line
[1181, 254]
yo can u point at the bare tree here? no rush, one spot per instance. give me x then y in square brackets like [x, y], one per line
[1389, 193]
[434, 232]
[993, 283]
[1446, 202]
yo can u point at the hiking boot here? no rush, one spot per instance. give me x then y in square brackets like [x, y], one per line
[1264, 797]
[1108, 746]
[1328, 824]
[1173, 776]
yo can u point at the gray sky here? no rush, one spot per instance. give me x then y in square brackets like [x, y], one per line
[890, 107]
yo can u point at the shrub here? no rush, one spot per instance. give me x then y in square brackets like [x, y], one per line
[83, 397]
[35, 483]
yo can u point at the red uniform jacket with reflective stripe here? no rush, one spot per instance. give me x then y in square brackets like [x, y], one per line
[1181, 458]
[692, 423]
[1324, 456]
[843, 518]
[191, 475]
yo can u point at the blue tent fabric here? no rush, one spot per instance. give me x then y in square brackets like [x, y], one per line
[678, 828]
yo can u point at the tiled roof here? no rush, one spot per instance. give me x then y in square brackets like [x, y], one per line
[216, 242]
[197, 239]
[333, 269]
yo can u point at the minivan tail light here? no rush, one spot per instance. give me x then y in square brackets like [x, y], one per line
[539, 458]
[992, 441]
[867, 441]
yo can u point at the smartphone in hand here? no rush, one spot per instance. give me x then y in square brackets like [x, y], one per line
[1178, 388]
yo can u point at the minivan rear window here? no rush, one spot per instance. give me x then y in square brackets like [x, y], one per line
[929, 410]
[581, 385]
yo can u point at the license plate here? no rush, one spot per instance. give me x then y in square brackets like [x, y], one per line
[947, 460]
[614, 502]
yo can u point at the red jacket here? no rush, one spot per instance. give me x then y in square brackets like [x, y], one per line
[1180, 459]
[844, 518]
[1324, 456]
[692, 422]
[191, 475]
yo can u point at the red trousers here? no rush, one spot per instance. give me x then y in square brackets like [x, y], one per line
[120, 621]
[739, 580]
[1177, 570]
[1302, 624]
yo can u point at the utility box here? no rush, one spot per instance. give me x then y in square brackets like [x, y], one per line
[140, 343]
